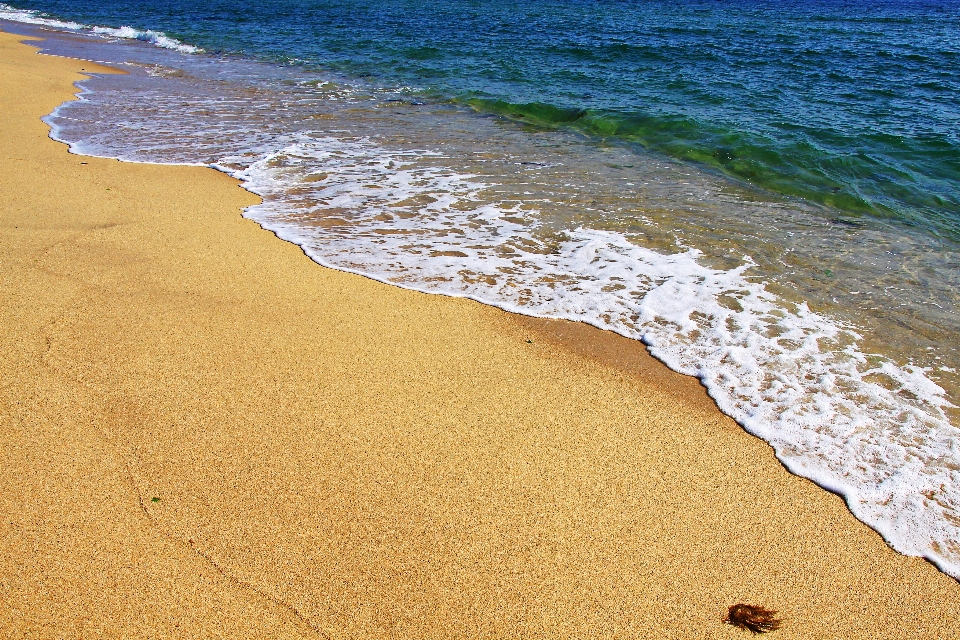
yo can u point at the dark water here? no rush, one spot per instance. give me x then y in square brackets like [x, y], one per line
[849, 104]
[766, 194]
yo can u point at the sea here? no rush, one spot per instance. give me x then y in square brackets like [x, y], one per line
[764, 193]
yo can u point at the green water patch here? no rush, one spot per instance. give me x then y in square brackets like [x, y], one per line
[871, 180]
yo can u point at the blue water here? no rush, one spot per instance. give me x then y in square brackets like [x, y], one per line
[767, 194]
[853, 104]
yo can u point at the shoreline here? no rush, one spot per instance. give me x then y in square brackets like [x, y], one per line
[335, 457]
[800, 375]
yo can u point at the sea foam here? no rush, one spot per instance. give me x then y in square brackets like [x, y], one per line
[156, 38]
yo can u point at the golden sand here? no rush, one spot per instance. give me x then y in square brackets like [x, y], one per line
[205, 434]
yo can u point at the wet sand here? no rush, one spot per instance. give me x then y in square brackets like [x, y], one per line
[205, 434]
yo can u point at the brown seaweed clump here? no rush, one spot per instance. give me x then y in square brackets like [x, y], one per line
[752, 618]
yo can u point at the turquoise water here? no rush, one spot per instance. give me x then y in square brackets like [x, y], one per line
[849, 104]
[765, 194]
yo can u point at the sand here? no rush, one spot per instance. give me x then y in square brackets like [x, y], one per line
[205, 434]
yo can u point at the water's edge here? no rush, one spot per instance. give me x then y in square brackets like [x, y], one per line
[847, 492]
[804, 323]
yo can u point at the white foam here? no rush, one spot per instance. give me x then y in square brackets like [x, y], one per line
[156, 38]
[35, 17]
[855, 423]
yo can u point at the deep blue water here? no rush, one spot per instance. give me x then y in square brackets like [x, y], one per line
[850, 104]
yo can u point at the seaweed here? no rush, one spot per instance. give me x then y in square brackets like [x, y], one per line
[752, 618]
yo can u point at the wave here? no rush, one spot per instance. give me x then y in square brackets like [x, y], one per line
[156, 38]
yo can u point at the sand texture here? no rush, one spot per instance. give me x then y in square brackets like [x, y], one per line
[205, 434]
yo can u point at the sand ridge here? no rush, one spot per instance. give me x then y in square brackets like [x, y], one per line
[205, 434]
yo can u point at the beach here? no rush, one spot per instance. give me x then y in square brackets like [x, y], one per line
[207, 434]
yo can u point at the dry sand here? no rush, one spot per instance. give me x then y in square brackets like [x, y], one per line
[205, 434]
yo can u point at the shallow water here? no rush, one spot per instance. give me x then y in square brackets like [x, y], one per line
[829, 332]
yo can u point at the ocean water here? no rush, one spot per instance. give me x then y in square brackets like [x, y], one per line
[767, 194]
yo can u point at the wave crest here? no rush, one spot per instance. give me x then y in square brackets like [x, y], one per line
[156, 38]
